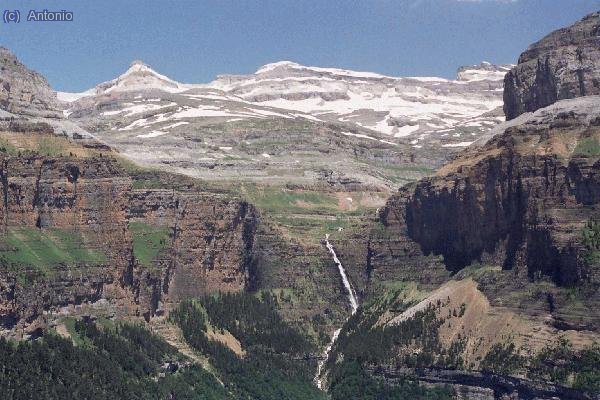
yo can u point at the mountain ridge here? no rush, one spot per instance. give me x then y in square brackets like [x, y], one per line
[414, 122]
[288, 64]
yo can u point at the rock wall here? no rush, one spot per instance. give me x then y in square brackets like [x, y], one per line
[212, 242]
[23, 91]
[381, 253]
[521, 201]
[481, 386]
[85, 197]
[563, 65]
[83, 207]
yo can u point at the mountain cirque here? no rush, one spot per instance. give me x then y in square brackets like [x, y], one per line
[281, 123]
[499, 248]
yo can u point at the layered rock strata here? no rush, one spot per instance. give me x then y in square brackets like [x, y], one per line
[563, 65]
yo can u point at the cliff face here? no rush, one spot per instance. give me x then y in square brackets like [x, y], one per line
[75, 237]
[303, 277]
[563, 65]
[511, 225]
[23, 91]
[210, 245]
[521, 201]
[480, 386]
[56, 212]
[381, 253]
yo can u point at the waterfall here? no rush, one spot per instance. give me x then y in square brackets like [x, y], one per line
[318, 380]
[351, 295]
[353, 305]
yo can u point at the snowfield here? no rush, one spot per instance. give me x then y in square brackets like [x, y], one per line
[421, 110]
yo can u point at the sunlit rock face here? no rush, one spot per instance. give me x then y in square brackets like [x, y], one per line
[563, 65]
[23, 91]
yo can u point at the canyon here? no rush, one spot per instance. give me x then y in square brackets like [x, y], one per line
[276, 125]
[440, 251]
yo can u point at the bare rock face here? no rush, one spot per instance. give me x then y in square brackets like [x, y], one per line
[481, 386]
[373, 254]
[521, 200]
[78, 203]
[211, 245]
[79, 213]
[23, 91]
[563, 65]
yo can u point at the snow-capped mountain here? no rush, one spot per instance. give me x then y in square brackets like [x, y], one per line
[398, 107]
[139, 76]
[290, 114]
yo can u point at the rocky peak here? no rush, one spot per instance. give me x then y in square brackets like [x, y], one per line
[563, 65]
[23, 91]
[140, 68]
[484, 71]
[280, 65]
[139, 76]
[6, 53]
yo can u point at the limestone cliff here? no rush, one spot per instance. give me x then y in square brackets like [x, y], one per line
[521, 201]
[76, 237]
[211, 242]
[563, 65]
[515, 217]
[23, 91]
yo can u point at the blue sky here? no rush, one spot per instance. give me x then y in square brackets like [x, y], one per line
[194, 40]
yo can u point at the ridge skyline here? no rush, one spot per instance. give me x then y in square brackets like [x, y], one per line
[383, 37]
[333, 70]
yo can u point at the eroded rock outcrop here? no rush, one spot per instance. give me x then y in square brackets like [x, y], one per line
[563, 65]
[79, 203]
[521, 201]
[211, 243]
[23, 91]
[481, 386]
[68, 245]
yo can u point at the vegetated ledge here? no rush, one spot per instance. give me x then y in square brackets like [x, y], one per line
[473, 381]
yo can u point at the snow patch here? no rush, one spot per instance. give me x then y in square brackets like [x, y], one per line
[459, 144]
[406, 130]
[71, 97]
[358, 135]
[152, 134]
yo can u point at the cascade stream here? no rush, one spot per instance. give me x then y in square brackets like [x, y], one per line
[353, 305]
